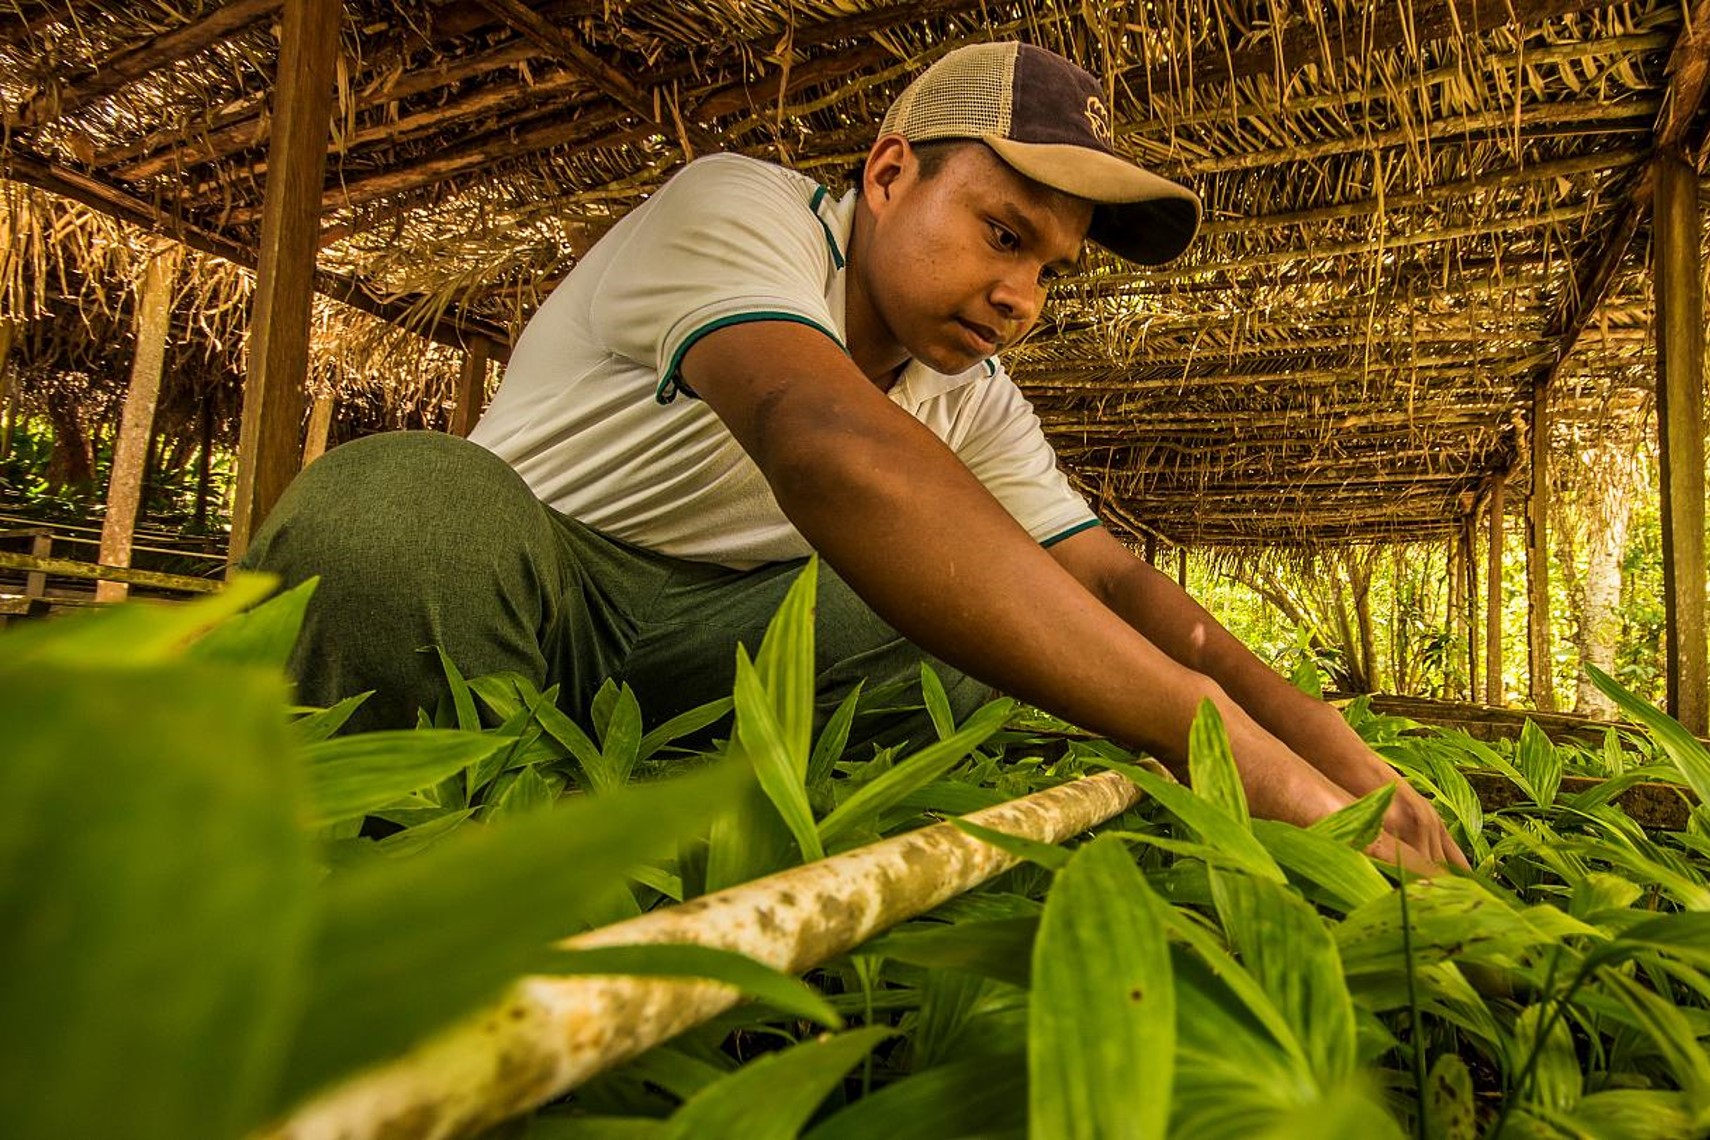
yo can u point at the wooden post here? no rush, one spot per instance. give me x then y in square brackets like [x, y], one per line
[269, 450]
[320, 427]
[1469, 598]
[471, 387]
[8, 390]
[1151, 549]
[1680, 429]
[1181, 566]
[1540, 673]
[1493, 599]
[136, 423]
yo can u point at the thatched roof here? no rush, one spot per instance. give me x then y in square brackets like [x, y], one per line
[1414, 209]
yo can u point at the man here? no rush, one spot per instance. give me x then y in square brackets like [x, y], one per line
[745, 371]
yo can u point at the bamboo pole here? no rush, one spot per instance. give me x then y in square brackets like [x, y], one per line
[1469, 597]
[471, 388]
[320, 426]
[71, 568]
[136, 422]
[548, 1035]
[1493, 598]
[270, 449]
[1680, 429]
[1540, 670]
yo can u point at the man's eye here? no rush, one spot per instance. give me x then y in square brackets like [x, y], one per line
[1005, 239]
[1050, 275]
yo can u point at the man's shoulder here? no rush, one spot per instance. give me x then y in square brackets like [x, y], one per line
[713, 172]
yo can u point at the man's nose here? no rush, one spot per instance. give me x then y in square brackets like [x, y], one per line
[1018, 297]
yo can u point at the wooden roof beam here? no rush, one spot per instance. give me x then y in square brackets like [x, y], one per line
[136, 61]
[569, 50]
[452, 327]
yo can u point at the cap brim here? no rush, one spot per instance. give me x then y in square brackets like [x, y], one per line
[1137, 215]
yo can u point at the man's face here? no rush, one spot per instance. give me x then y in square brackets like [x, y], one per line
[958, 263]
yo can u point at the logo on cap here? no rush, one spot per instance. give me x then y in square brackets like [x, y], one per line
[1098, 119]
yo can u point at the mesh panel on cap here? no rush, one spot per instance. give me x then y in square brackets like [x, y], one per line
[964, 95]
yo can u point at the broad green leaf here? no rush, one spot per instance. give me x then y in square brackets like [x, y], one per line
[389, 967]
[914, 773]
[462, 699]
[762, 740]
[1345, 874]
[415, 840]
[546, 1127]
[1347, 1112]
[155, 888]
[937, 702]
[833, 738]
[998, 948]
[1631, 1114]
[262, 636]
[1215, 827]
[505, 693]
[600, 708]
[350, 776]
[1668, 1029]
[316, 726]
[680, 960]
[621, 744]
[785, 666]
[1447, 915]
[1285, 946]
[683, 724]
[1555, 1082]
[1102, 1020]
[1448, 1105]
[773, 1097]
[1677, 744]
[595, 775]
[1359, 824]
[1044, 854]
[1537, 758]
[136, 633]
[1211, 763]
[528, 792]
[980, 1096]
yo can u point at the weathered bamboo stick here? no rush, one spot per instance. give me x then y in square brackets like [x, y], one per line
[69, 568]
[548, 1035]
[136, 423]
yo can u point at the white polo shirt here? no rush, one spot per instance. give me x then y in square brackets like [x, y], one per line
[588, 412]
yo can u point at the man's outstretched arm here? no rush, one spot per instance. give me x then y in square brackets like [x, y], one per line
[1167, 616]
[894, 511]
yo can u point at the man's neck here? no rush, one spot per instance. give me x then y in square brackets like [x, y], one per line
[879, 357]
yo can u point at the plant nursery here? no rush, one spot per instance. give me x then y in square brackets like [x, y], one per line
[1417, 417]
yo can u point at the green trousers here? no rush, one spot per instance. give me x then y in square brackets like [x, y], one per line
[422, 540]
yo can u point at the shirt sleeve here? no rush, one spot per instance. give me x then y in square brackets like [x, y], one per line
[727, 240]
[999, 438]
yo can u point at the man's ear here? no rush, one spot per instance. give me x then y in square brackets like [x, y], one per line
[890, 158]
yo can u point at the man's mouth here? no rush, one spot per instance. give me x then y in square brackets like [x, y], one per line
[986, 337]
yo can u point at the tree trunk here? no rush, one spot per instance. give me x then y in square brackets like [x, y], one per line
[71, 465]
[1600, 594]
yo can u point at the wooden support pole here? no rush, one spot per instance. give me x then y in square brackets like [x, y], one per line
[8, 389]
[1151, 548]
[1540, 673]
[269, 449]
[320, 427]
[1469, 598]
[1677, 230]
[471, 387]
[136, 422]
[1493, 599]
[1181, 566]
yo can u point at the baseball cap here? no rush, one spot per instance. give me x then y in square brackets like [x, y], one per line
[1046, 118]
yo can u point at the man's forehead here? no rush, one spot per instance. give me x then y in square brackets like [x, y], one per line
[1050, 216]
